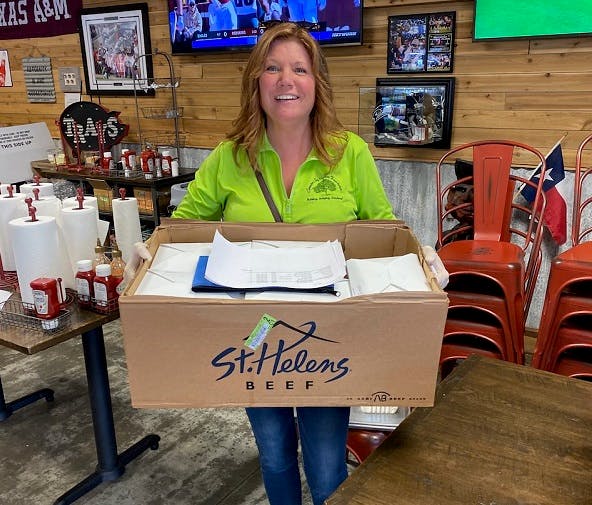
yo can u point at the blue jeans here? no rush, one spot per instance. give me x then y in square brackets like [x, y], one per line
[323, 434]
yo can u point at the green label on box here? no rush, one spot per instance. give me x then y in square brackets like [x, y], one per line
[257, 336]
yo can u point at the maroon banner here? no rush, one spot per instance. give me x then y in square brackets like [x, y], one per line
[21, 19]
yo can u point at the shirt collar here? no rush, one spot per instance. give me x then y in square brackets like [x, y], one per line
[266, 146]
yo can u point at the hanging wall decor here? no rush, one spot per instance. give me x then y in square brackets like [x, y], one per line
[420, 43]
[39, 79]
[112, 39]
[5, 75]
[413, 112]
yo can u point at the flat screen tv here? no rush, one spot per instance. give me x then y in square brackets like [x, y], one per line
[512, 19]
[199, 26]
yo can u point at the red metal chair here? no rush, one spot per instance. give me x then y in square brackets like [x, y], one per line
[570, 270]
[483, 327]
[361, 443]
[506, 234]
[572, 338]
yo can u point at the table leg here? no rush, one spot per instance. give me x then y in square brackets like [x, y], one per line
[111, 465]
[6, 409]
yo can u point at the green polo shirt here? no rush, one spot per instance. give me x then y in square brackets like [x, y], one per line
[351, 190]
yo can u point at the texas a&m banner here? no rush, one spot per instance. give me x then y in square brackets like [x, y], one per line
[38, 18]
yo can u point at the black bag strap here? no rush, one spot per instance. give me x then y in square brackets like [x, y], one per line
[268, 198]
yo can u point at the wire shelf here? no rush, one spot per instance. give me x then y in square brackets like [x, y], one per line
[162, 112]
[22, 315]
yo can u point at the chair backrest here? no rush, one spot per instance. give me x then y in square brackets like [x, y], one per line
[581, 227]
[494, 182]
[497, 214]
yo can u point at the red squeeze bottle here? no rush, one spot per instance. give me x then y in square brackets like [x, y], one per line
[84, 282]
[104, 286]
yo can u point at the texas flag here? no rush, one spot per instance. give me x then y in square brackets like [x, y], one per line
[554, 188]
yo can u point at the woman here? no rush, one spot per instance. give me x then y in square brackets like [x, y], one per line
[316, 172]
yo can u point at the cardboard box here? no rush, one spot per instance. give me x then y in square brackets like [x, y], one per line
[375, 349]
[103, 193]
[145, 204]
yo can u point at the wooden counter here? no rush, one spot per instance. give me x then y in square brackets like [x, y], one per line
[499, 434]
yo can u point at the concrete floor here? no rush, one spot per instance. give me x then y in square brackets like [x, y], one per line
[206, 456]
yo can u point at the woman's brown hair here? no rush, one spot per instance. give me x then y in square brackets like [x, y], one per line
[328, 135]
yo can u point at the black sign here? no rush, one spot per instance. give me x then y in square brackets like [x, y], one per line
[87, 125]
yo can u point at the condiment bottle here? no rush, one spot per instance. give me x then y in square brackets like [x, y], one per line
[45, 297]
[124, 163]
[84, 282]
[100, 258]
[147, 162]
[167, 163]
[117, 269]
[175, 167]
[131, 159]
[107, 162]
[103, 286]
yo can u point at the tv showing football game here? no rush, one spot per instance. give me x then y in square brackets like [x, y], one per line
[509, 19]
[198, 26]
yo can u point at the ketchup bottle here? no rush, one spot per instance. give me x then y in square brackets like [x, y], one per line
[84, 282]
[104, 286]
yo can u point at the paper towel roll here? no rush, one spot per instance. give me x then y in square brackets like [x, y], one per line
[45, 189]
[48, 206]
[80, 232]
[10, 208]
[36, 250]
[126, 219]
[89, 201]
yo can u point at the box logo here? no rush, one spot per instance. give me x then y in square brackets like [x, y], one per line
[292, 352]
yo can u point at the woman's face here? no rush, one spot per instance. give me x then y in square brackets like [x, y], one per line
[287, 85]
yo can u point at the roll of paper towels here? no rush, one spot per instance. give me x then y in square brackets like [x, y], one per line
[126, 220]
[10, 208]
[37, 251]
[48, 206]
[80, 232]
[89, 201]
[45, 189]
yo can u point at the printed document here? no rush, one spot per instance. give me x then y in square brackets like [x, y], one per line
[299, 268]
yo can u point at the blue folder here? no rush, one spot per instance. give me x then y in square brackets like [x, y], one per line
[201, 284]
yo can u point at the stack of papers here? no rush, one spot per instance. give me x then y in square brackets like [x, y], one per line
[384, 275]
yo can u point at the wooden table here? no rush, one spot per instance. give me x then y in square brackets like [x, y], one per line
[499, 434]
[111, 464]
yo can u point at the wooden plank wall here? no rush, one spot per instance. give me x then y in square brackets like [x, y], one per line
[533, 91]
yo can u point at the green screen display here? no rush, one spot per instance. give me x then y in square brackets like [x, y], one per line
[496, 19]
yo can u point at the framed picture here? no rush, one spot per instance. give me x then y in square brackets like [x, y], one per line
[420, 43]
[413, 112]
[112, 39]
[5, 75]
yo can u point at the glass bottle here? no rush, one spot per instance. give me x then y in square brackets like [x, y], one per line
[100, 258]
[117, 268]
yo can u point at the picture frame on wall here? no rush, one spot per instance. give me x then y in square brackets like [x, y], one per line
[421, 43]
[413, 112]
[111, 40]
[5, 75]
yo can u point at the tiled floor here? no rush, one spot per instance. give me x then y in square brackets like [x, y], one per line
[206, 456]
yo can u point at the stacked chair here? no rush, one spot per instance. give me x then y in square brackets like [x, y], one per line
[564, 342]
[494, 258]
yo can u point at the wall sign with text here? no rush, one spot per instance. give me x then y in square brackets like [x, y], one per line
[39, 79]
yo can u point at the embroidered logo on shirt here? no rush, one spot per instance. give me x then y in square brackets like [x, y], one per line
[325, 188]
